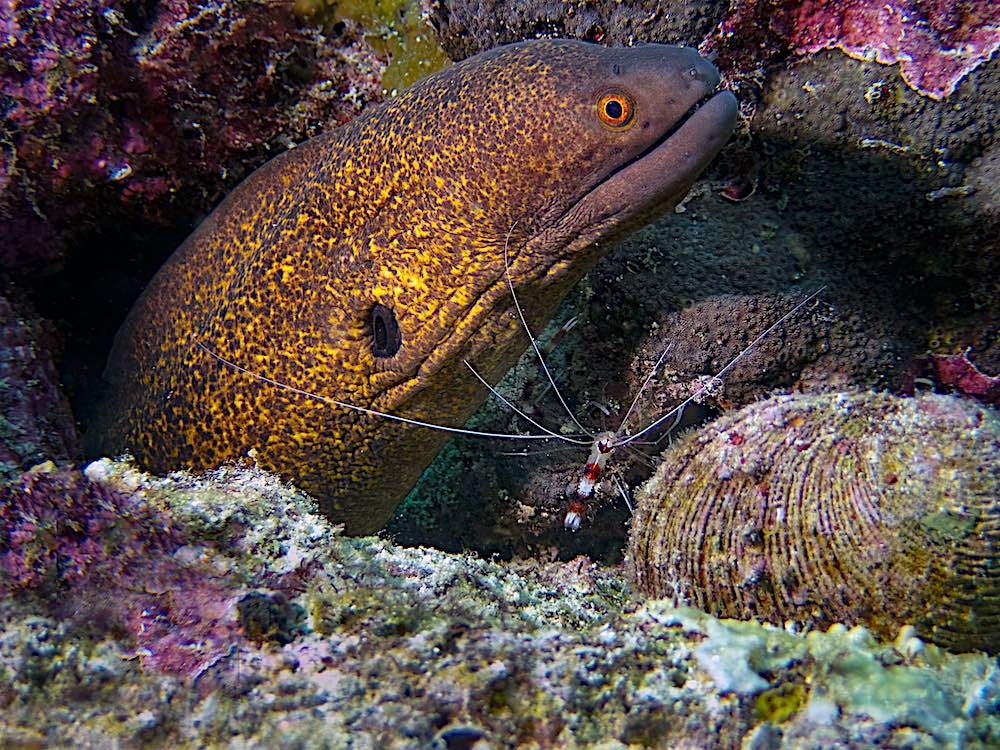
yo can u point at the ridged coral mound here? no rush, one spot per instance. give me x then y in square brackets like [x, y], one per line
[859, 508]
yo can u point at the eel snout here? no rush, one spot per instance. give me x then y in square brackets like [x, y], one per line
[690, 119]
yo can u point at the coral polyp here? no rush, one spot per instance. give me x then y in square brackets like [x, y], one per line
[857, 508]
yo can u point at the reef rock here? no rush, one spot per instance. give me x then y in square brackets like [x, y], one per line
[119, 112]
[861, 508]
[35, 420]
[223, 611]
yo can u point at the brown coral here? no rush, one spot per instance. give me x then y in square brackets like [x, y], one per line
[857, 508]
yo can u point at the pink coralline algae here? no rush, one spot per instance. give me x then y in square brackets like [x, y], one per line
[958, 372]
[110, 562]
[936, 42]
[116, 109]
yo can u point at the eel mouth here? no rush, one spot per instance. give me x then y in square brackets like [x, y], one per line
[681, 122]
[658, 177]
[652, 182]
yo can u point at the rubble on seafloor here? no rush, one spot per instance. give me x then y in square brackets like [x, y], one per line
[282, 633]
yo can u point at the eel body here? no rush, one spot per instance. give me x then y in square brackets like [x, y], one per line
[367, 264]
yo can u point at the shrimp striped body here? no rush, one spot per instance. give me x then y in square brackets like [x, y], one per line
[593, 471]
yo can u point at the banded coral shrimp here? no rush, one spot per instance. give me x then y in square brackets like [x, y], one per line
[511, 502]
[604, 443]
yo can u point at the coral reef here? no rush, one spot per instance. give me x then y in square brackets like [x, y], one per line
[467, 27]
[857, 508]
[936, 42]
[858, 182]
[107, 560]
[117, 112]
[35, 420]
[403, 648]
[851, 180]
[398, 29]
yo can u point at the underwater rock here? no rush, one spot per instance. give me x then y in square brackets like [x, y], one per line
[823, 347]
[960, 373]
[122, 111]
[415, 648]
[35, 419]
[107, 559]
[467, 27]
[858, 508]
[936, 42]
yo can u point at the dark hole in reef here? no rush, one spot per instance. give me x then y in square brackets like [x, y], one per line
[140, 15]
[462, 738]
[88, 298]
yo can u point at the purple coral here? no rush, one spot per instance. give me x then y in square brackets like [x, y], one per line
[937, 42]
[57, 528]
[112, 561]
[114, 108]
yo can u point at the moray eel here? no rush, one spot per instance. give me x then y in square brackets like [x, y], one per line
[367, 264]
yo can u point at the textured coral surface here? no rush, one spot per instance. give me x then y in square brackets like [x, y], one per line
[35, 420]
[119, 110]
[936, 42]
[863, 508]
[338, 642]
[112, 561]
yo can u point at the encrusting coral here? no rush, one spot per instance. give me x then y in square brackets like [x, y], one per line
[319, 640]
[862, 508]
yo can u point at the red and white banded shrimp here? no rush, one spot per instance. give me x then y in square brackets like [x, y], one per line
[604, 443]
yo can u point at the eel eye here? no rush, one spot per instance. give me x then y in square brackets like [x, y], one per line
[386, 336]
[615, 110]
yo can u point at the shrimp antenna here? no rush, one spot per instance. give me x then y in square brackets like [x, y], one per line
[362, 409]
[724, 370]
[644, 385]
[531, 338]
[520, 413]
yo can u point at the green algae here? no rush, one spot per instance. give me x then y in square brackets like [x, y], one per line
[396, 28]
[848, 672]
[379, 612]
[780, 703]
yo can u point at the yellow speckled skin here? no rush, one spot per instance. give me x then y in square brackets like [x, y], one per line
[408, 206]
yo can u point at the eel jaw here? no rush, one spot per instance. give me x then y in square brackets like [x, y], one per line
[653, 182]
